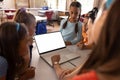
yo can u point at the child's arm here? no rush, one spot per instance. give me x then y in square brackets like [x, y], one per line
[29, 73]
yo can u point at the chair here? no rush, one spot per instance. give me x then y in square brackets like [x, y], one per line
[49, 18]
[41, 28]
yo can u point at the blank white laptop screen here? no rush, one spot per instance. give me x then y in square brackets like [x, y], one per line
[49, 42]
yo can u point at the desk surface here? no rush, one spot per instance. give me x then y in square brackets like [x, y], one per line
[63, 17]
[46, 72]
[43, 70]
[43, 11]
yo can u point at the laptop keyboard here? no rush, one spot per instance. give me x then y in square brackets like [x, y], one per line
[65, 54]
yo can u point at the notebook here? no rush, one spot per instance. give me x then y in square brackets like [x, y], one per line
[50, 44]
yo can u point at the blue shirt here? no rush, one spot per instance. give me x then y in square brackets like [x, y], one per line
[3, 66]
[69, 33]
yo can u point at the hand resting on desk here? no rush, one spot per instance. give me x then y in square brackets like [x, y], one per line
[61, 73]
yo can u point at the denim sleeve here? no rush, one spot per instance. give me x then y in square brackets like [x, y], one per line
[3, 66]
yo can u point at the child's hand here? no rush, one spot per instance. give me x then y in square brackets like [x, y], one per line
[81, 42]
[29, 73]
[55, 58]
[68, 43]
[80, 45]
[64, 73]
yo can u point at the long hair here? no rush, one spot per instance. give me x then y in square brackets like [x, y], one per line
[92, 14]
[24, 17]
[78, 5]
[11, 34]
[106, 54]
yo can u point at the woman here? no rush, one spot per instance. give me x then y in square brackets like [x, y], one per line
[103, 63]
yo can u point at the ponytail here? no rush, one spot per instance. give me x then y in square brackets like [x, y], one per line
[76, 25]
[65, 24]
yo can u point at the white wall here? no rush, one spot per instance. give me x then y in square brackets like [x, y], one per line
[33, 3]
[8, 4]
[39, 3]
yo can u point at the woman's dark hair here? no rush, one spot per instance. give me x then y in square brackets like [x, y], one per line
[93, 13]
[24, 17]
[78, 5]
[11, 34]
[106, 54]
[1, 0]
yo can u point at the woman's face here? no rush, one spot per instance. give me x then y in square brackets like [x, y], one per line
[74, 12]
[98, 26]
[85, 18]
[89, 31]
[24, 48]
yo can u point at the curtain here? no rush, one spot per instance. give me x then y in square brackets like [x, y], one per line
[68, 2]
[98, 3]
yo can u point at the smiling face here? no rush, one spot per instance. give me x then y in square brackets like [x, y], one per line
[74, 13]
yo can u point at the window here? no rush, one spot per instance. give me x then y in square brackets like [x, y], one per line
[52, 4]
[22, 3]
[87, 5]
[57, 4]
[62, 5]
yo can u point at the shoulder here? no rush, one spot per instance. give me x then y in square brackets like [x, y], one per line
[80, 24]
[86, 76]
[63, 20]
[3, 66]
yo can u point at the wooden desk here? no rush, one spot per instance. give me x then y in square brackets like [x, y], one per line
[42, 12]
[45, 72]
[33, 9]
[39, 18]
[63, 17]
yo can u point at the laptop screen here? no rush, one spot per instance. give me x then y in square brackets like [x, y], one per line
[49, 42]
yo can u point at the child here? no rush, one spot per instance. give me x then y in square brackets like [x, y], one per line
[84, 31]
[71, 28]
[88, 20]
[14, 53]
[29, 20]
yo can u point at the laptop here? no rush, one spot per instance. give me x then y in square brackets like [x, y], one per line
[50, 44]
